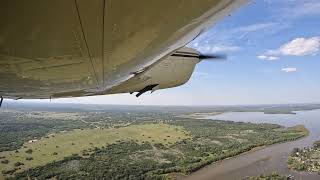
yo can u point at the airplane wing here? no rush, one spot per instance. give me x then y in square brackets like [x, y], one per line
[71, 48]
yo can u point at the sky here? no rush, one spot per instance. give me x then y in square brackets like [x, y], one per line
[273, 49]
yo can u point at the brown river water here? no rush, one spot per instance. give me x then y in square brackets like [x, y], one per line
[265, 160]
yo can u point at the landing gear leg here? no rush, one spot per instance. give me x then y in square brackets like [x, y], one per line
[1, 100]
[147, 88]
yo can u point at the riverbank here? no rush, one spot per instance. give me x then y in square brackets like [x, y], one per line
[264, 160]
[300, 128]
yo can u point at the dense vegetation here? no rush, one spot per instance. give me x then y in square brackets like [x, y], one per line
[13, 135]
[306, 159]
[272, 176]
[19, 127]
[111, 162]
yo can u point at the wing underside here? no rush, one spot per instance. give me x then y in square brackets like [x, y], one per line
[65, 48]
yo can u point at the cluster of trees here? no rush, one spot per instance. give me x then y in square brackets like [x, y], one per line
[29, 151]
[316, 145]
[5, 161]
[17, 164]
[5, 172]
[14, 134]
[17, 128]
[111, 162]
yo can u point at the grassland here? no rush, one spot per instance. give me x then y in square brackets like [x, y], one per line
[55, 147]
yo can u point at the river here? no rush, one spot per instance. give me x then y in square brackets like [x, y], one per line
[265, 160]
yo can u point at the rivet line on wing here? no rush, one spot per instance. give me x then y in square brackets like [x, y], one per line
[102, 46]
[85, 40]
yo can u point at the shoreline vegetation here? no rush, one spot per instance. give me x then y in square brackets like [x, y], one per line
[136, 145]
[272, 176]
[199, 115]
[305, 159]
[276, 176]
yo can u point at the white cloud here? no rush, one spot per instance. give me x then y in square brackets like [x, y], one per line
[223, 48]
[255, 27]
[268, 58]
[217, 48]
[289, 69]
[262, 57]
[301, 47]
[296, 47]
[273, 58]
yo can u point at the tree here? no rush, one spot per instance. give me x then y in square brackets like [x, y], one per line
[18, 164]
[29, 151]
[29, 158]
[5, 161]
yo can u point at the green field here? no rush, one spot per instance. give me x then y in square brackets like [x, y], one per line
[55, 147]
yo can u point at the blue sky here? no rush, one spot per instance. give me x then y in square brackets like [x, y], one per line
[273, 57]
